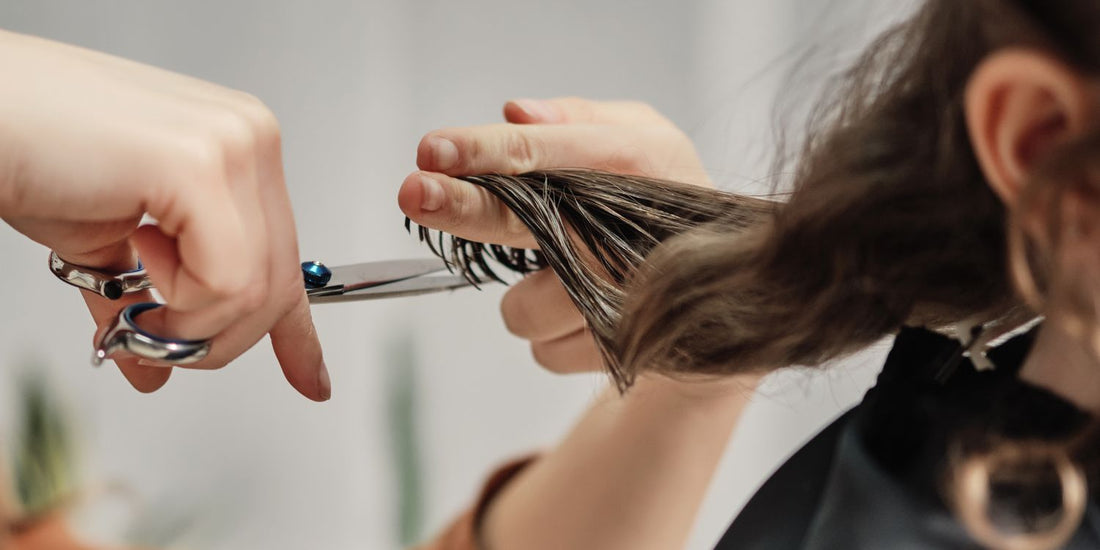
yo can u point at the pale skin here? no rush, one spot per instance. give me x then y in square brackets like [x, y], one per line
[634, 469]
[78, 171]
[592, 491]
[1020, 105]
[90, 142]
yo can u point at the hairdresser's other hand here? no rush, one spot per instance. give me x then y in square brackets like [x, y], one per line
[90, 142]
[616, 136]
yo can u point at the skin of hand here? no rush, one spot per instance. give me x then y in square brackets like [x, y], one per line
[89, 143]
[617, 136]
[632, 472]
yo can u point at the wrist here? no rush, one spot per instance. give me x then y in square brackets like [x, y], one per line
[19, 104]
[8, 190]
[698, 391]
[684, 406]
[12, 165]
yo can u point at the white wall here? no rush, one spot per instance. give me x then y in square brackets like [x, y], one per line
[355, 83]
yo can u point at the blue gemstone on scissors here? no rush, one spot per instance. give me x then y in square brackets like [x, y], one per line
[316, 274]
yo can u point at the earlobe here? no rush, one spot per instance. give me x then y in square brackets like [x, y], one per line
[1020, 105]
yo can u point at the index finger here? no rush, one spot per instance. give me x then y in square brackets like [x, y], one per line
[574, 110]
[515, 149]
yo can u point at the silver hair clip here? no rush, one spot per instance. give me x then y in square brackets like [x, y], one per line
[979, 339]
[110, 286]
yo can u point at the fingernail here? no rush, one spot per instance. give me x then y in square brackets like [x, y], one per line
[432, 195]
[153, 363]
[444, 153]
[537, 110]
[324, 384]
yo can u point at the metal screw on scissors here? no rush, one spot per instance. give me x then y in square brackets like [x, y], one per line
[322, 284]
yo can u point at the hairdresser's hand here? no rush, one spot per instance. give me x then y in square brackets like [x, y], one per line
[89, 143]
[625, 137]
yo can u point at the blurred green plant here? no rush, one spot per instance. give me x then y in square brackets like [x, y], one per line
[44, 462]
[44, 459]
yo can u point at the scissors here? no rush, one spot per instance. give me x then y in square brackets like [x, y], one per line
[322, 284]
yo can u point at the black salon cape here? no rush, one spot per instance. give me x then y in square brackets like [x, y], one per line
[872, 478]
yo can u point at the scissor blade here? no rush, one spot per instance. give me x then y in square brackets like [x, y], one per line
[409, 287]
[348, 278]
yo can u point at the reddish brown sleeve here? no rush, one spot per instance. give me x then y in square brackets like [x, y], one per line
[462, 534]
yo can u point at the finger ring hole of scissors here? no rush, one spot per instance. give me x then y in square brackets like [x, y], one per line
[125, 334]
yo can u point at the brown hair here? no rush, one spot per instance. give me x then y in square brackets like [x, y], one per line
[891, 221]
[594, 230]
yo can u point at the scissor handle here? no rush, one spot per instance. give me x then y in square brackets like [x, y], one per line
[125, 334]
[109, 285]
[400, 277]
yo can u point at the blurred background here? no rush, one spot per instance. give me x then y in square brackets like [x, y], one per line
[428, 393]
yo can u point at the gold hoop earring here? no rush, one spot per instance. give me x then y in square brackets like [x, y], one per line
[972, 498]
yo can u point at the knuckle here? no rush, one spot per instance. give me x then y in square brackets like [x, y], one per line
[579, 108]
[647, 113]
[545, 355]
[206, 157]
[235, 132]
[230, 290]
[264, 124]
[471, 151]
[631, 160]
[251, 103]
[511, 227]
[642, 108]
[673, 135]
[15, 188]
[254, 296]
[230, 287]
[542, 354]
[523, 150]
[286, 289]
[460, 204]
[514, 311]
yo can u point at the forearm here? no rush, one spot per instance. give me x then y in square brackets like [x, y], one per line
[630, 475]
[10, 149]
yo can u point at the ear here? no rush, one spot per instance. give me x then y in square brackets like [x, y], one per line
[1020, 104]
